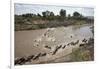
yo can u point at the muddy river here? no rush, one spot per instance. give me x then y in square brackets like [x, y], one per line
[46, 40]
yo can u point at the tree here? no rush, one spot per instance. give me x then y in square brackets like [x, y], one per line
[63, 13]
[38, 15]
[76, 14]
[44, 14]
[69, 16]
[48, 15]
[52, 14]
[27, 15]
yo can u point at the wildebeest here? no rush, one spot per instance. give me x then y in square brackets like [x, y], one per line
[34, 40]
[47, 47]
[20, 61]
[73, 43]
[38, 39]
[68, 44]
[37, 56]
[29, 58]
[81, 45]
[44, 54]
[70, 36]
[37, 45]
[63, 46]
[76, 42]
[44, 34]
[17, 61]
[84, 40]
[57, 48]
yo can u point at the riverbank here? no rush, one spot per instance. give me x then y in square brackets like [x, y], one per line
[43, 24]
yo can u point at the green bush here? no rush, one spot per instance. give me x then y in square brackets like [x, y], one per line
[80, 55]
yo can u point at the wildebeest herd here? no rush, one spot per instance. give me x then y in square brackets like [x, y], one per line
[23, 60]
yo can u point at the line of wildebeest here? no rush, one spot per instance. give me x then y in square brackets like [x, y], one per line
[23, 60]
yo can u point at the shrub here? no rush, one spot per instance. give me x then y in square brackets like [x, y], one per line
[80, 55]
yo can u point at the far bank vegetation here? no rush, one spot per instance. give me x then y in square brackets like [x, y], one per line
[48, 19]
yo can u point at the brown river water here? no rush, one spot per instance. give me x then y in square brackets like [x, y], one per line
[33, 41]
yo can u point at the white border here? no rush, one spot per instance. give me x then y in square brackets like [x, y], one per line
[46, 2]
[12, 35]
